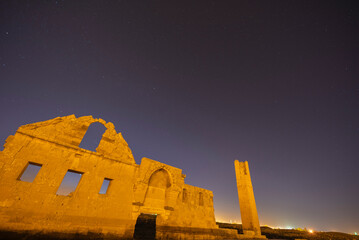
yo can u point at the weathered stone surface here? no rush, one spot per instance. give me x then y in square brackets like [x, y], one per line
[246, 199]
[149, 188]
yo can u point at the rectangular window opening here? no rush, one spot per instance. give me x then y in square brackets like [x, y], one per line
[30, 172]
[105, 185]
[69, 183]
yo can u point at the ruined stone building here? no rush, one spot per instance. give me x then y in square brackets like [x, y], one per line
[133, 191]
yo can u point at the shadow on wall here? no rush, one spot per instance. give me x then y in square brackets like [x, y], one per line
[93, 136]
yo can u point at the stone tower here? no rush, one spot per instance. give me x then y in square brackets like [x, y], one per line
[250, 222]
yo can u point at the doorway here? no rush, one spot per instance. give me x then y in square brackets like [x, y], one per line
[145, 227]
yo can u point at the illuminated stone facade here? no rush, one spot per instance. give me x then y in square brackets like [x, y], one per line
[183, 211]
[250, 221]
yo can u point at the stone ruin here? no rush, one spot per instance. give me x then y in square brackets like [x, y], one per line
[135, 193]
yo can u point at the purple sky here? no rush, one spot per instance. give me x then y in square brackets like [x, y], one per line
[199, 84]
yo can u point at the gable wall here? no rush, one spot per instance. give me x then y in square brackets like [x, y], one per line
[35, 205]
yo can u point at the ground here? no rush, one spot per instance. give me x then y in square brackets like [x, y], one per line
[288, 234]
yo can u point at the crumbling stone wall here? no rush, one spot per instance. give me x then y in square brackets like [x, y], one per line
[151, 187]
[178, 210]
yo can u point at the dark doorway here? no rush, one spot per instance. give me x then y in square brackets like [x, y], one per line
[145, 227]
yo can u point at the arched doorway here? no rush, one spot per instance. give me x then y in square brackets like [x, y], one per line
[155, 198]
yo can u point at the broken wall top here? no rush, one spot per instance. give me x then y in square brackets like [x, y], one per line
[69, 131]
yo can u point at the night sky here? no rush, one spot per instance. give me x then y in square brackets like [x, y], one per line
[198, 84]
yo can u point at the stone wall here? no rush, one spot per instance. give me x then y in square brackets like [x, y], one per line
[151, 187]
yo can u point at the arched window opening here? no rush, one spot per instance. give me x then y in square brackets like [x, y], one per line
[93, 136]
[201, 199]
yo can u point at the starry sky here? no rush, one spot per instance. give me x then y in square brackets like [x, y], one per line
[198, 84]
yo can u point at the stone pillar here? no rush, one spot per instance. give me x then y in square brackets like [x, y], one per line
[247, 204]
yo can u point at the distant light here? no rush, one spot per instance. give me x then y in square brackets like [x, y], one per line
[355, 233]
[288, 227]
[310, 231]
